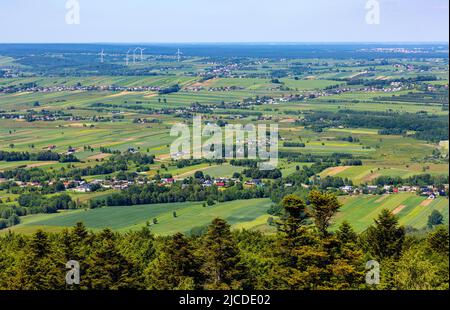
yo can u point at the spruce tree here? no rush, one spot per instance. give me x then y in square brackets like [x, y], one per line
[221, 266]
[40, 267]
[385, 239]
[324, 207]
[346, 234]
[175, 267]
[294, 215]
[435, 219]
[107, 268]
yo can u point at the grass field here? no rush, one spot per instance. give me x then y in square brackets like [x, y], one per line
[411, 209]
[360, 211]
[189, 215]
[367, 173]
[119, 129]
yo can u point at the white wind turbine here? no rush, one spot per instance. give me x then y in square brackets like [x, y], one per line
[142, 56]
[134, 54]
[127, 57]
[102, 55]
[179, 53]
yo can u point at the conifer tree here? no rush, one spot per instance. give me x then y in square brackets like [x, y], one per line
[139, 247]
[438, 240]
[385, 239]
[221, 266]
[346, 234]
[107, 268]
[324, 207]
[294, 215]
[40, 267]
[175, 267]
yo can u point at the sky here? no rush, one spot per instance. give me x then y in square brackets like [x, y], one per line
[170, 21]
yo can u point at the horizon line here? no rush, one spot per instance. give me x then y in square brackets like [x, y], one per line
[240, 42]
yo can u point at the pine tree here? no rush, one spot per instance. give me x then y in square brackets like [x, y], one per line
[175, 267]
[385, 239]
[438, 241]
[324, 207]
[107, 268]
[346, 234]
[435, 219]
[39, 269]
[138, 246]
[221, 266]
[289, 228]
[294, 215]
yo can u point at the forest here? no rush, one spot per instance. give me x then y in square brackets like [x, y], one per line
[304, 254]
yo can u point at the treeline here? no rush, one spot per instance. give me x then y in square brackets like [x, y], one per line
[294, 144]
[169, 90]
[153, 194]
[383, 83]
[304, 254]
[303, 175]
[256, 173]
[36, 203]
[352, 162]
[27, 175]
[415, 180]
[193, 162]
[426, 97]
[40, 156]
[115, 163]
[312, 158]
[427, 127]
[33, 203]
[252, 163]
[332, 182]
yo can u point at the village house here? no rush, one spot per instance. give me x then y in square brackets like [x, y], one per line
[347, 189]
[167, 181]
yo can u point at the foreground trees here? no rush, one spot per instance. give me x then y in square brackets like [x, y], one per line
[385, 239]
[304, 254]
[309, 256]
[175, 267]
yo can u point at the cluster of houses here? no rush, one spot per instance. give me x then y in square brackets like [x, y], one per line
[65, 88]
[51, 117]
[430, 191]
[225, 71]
[218, 182]
[214, 89]
[83, 187]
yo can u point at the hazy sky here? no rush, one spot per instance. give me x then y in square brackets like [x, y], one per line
[223, 21]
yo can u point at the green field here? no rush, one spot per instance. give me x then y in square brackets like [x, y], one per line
[189, 215]
[360, 211]
[95, 118]
[412, 210]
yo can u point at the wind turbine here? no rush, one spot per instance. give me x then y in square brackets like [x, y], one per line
[134, 54]
[102, 55]
[142, 56]
[127, 57]
[179, 53]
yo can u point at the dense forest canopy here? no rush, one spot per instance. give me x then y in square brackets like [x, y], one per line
[304, 254]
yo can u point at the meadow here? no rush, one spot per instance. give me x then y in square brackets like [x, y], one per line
[412, 210]
[219, 89]
[360, 211]
[189, 215]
